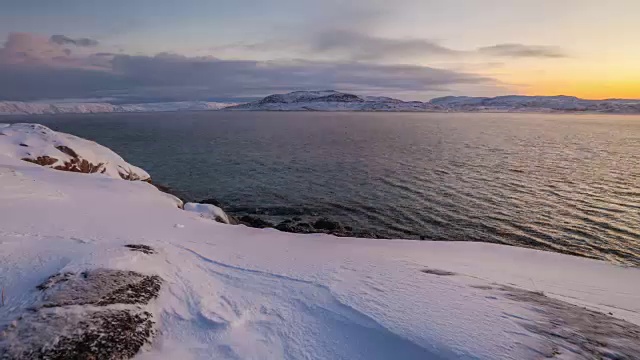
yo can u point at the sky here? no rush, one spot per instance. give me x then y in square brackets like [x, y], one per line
[161, 50]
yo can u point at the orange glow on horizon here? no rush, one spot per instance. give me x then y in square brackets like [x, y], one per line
[587, 90]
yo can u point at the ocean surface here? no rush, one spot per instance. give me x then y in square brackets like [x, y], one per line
[567, 183]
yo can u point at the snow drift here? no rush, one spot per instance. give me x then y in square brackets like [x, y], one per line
[234, 292]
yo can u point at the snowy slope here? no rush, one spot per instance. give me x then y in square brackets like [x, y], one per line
[42, 145]
[233, 292]
[32, 108]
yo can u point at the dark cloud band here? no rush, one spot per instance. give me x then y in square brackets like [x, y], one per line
[65, 40]
[176, 77]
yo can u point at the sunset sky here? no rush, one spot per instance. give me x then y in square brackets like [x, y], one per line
[152, 50]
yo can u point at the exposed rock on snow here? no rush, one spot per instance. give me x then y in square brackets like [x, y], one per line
[96, 314]
[145, 249]
[99, 287]
[60, 334]
[40, 145]
[575, 332]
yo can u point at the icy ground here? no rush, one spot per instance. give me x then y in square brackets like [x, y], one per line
[233, 292]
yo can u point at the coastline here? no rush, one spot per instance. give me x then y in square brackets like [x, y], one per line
[558, 112]
[263, 292]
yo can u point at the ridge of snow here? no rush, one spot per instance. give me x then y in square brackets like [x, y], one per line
[35, 108]
[233, 292]
[32, 141]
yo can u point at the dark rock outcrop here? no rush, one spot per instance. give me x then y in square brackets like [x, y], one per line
[255, 222]
[95, 314]
[141, 248]
[211, 201]
[42, 160]
[299, 226]
[326, 224]
[75, 164]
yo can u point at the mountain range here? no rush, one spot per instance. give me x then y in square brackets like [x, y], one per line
[331, 100]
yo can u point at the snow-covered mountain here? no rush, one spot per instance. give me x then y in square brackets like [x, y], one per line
[32, 108]
[518, 103]
[331, 100]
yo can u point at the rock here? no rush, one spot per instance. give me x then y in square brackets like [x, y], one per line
[99, 287]
[95, 314]
[42, 160]
[326, 224]
[102, 334]
[255, 222]
[211, 201]
[141, 248]
[67, 150]
[83, 166]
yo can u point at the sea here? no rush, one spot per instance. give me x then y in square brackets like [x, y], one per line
[568, 183]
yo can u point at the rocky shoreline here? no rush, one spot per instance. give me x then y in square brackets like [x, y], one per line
[294, 224]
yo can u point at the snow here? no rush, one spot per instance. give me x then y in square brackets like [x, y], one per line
[331, 100]
[60, 107]
[336, 101]
[31, 141]
[208, 211]
[233, 292]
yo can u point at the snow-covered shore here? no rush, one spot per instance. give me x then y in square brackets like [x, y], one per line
[39, 108]
[234, 292]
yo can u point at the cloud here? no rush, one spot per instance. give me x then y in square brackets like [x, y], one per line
[26, 49]
[31, 68]
[350, 45]
[246, 78]
[521, 51]
[65, 40]
[359, 46]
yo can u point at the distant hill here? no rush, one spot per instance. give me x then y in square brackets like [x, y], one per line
[32, 108]
[331, 100]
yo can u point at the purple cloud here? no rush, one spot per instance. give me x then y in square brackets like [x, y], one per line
[33, 67]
